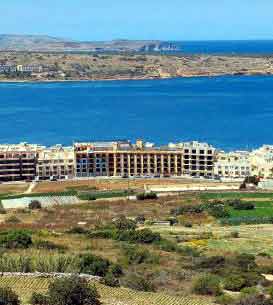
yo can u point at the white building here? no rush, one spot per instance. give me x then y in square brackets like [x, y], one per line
[232, 164]
[262, 161]
[55, 162]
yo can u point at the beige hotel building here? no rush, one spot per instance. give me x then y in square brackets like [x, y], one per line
[124, 159]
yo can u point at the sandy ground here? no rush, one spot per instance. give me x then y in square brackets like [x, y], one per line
[13, 188]
[119, 184]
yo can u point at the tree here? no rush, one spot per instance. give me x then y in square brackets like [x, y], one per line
[35, 205]
[123, 223]
[94, 265]
[72, 291]
[8, 297]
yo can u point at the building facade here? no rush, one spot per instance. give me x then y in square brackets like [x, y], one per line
[55, 162]
[262, 161]
[124, 159]
[18, 162]
[29, 68]
[6, 68]
[235, 164]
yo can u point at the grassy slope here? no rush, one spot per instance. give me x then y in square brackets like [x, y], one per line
[26, 286]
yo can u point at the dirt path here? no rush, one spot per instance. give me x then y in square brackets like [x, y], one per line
[30, 188]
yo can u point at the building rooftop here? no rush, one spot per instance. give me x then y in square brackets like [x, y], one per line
[57, 152]
[21, 147]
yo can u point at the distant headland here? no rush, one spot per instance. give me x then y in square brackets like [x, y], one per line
[45, 58]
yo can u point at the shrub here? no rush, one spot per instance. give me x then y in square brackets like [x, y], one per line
[123, 223]
[252, 278]
[15, 239]
[77, 230]
[264, 254]
[234, 234]
[150, 195]
[116, 270]
[188, 208]
[211, 262]
[35, 205]
[249, 290]
[234, 282]
[138, 282]
[137, 255]
[49, 245]
[173, 221]
[39, 299]
[190, 251]
[168, 245]
[136, 236]
[146, 196]
[8, 297]
[13, 220]
[218, 211]
[207, 284]
[225, 299]
[72, 291]
[252, 179]
[2, 211]
[238, 204]
[94, 265]
[110, 280]
[87, 196]
[146, 236]
[245, 261]
[107, 234]
[140, 219]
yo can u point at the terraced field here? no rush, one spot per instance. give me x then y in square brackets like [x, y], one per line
[110, 296]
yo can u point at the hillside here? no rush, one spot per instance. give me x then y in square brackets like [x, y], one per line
[38, 43]
[103, 66]
[189, 249]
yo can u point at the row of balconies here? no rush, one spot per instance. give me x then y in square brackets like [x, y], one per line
[165, 166]
[54, 173]
[55, 162]
[62, 167]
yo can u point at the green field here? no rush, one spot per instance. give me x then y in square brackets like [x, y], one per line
[262, 209]
[232, 195]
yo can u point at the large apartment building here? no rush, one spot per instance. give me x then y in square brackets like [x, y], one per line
[122, 158]
[234, 164]
[55, 162]
[18, 161]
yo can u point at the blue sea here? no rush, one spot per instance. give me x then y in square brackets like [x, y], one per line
[227, 47]
[231, 112]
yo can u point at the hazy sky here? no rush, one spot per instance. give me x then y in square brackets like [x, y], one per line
[139, 19]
